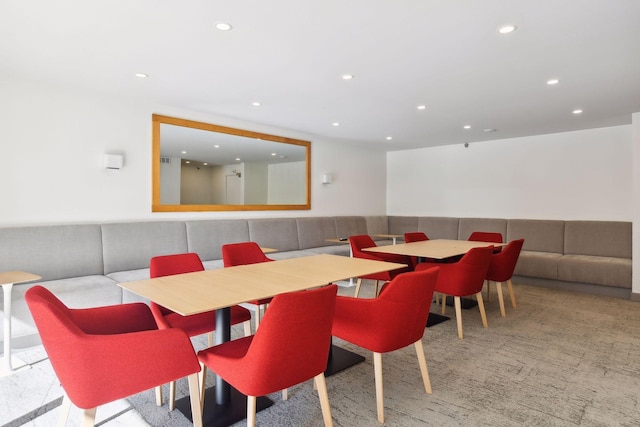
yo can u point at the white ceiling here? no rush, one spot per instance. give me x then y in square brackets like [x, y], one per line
[290, 56]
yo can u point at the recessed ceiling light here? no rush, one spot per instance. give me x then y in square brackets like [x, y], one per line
[553, 82]
[422, 107]
[506, 29]
[577, 111]
[237, 159]
[335, 124]
[223, 26]
[256, 104]
[347, 76]
[273, 154]
[489, 130]
[142, 75]
[216, 146]
[389, 138]
[184, 152]
[467, 126]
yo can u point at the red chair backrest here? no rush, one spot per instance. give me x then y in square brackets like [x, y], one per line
[465, 277]
[485, 236]
[415, 236]
[504, 263]
[242, 254]
[168, 265]
[360, 242]
[292, 343]
[401, 310]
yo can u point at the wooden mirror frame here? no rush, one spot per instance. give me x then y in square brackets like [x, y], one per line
[156, 206]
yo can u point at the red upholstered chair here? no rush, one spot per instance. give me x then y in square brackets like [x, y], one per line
[103, 354]
[358, 243]
[196, 324]
[501, 270]
[463, 278]
[415, 236]
[291, 346]
[242, 254]
[485, 236]
[394, 320]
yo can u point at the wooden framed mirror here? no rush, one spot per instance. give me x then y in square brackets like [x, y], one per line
[199, 166]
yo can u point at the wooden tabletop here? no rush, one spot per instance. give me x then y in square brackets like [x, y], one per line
[435, 249]
[202, 291]
[9, 277]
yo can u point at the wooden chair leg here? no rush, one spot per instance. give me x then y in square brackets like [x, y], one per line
[358, 283]
[89, 417]
[422, 361]
[456, 301]
[321, 384]
[247, 328]
[375, 290]
[483, 314]
[258, 315]
[285, 394]
[210, 339]
[194, 396]
[511, 294]
[500, 298]
[377, 366]
[172, 395]
[64, 411]
[488, 282]
[251, 411]
[443, 298]
[159, 395]
[202, 377]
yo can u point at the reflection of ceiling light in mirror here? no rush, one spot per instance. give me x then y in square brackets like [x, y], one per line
[216, 146]
[578, 111]
[187, 162]
[256, 104]
[553, 82]
[389, 138]
[489, 130]
[223, 26]
[467, 126]
[506, 29]
[273, 154]
[237, 159]
[206, 164]
[422, 107]
[336, 124]
[141, 75]
[347, 76]
[184, 152]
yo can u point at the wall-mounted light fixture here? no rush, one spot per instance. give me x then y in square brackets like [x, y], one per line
[113, 161]
[327, 178]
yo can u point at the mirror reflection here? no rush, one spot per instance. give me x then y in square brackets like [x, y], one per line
[200, 166]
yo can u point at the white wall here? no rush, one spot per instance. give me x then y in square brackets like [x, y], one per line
[573, 175]
[52, 142]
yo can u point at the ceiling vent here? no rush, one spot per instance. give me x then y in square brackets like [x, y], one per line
[165, 160]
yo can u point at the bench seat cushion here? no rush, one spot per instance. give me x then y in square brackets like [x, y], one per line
[605, 271]
[538, 264]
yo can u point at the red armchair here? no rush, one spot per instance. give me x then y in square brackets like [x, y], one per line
[501, 270]
[485, 236]
[358, 243]
[194, 325]
[415, 236]
[291, 346]
[463, 278]
[394, 320]
[242, 254]
[104, 354]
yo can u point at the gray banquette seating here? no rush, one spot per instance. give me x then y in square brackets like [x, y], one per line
[83, 263]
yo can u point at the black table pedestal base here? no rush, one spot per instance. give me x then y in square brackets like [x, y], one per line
[222, 415]
[341, 359]
[465, 303]
[435, 318]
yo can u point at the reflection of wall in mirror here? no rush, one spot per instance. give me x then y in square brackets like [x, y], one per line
[170, 181]
[287, 183]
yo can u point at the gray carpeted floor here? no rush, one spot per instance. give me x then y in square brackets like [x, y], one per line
[559, 359]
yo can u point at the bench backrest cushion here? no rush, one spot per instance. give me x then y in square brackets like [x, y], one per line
[350, 226]
[598, 238]
[52, 252]
[402, 224]
[539, 235]
[469, 225]
[275, 233]
[130, 246]
[436, 227]
[206, 237]
[313, 232]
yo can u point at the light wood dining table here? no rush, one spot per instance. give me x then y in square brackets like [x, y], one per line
[219, 289]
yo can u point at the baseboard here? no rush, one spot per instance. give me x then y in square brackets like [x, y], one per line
[587, 288]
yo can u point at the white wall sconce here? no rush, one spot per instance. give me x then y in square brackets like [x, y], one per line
[327, 178]
[113, 161]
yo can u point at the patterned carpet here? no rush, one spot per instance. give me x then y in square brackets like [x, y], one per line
[559, 359]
